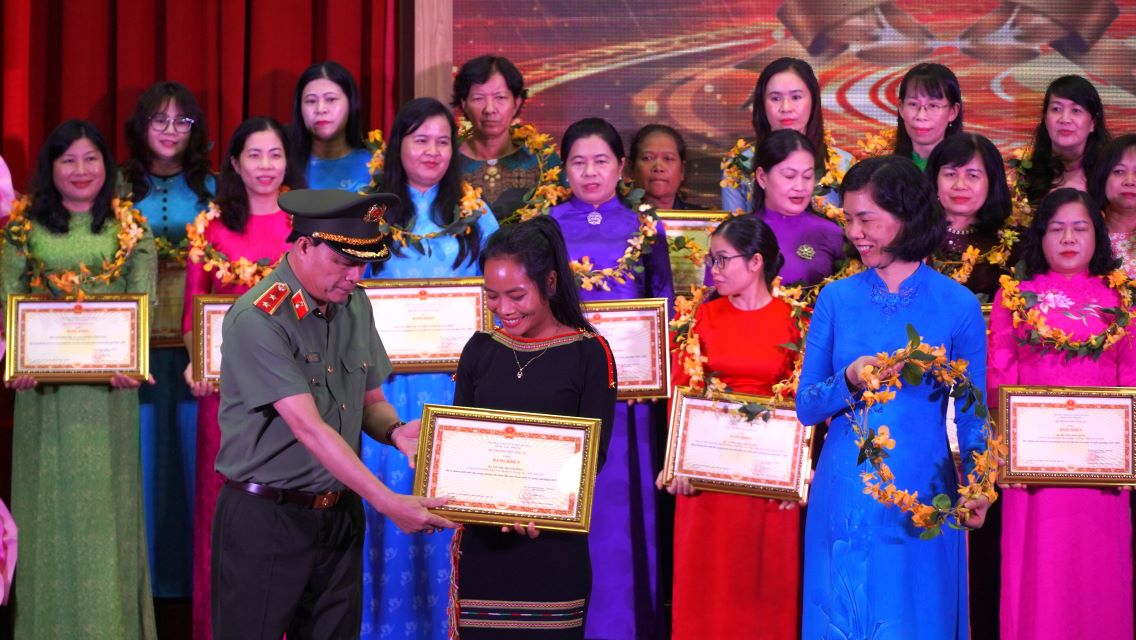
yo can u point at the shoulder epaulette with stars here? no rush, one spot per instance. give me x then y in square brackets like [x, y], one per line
[270, 300]
[299, 305]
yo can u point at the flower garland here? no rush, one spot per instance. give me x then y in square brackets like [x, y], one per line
[1022, 212]
[175, 252]
[1023, 307]
[469, 209]
[548, 191]
[378, 148]
[963, 268]
[880, 143]
[627, 265]
[913, 364]
[242, 271]
[70, 283]
[738, 167]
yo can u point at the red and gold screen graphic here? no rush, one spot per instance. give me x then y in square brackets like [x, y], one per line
[693, 65]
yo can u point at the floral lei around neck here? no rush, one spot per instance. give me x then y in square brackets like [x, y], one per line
[70, 283]
[738, 168]
[242, 271]
[1023, 306]
[640, 242]
[1022, 162]
[548, 192]
[961, 269]
[469, 208]
[913, 364]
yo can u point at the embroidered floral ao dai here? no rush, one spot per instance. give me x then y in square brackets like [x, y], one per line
[1066, 551]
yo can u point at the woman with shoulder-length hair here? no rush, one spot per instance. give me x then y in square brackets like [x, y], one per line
[76, 477]
[865, 559]
[168, 177]
[406, 578]
[234, 244]
[1066, 551]
[787, 96]
[326, 132]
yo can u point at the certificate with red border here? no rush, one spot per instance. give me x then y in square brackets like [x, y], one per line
[718, 449]
[425, 324]
[78, 341]
[508, 467]
[208, 315]
[636, 330]
[1068, 435]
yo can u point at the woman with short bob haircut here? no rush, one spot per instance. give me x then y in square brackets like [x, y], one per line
[930, 110]
[851, 539]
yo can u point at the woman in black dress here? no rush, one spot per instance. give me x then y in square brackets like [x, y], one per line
[517, 582]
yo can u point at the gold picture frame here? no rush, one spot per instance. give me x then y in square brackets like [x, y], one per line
[694, 227]
[400, 307]
[165, 324]
[208, 313]
[1079, 436]
[71, 341]
[508, 467]
[764, 458]
[643, 373]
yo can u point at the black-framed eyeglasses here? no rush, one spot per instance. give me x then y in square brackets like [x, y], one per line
[719, 262]
[159, 122]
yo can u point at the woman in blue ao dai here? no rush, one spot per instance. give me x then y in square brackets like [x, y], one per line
[867, 572]
[787, 96]
[406, 577]
[167, 177]
[623, 538]
[326, 132]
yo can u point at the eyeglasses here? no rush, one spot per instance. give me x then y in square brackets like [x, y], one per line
[932, 108]
[159, 122]
[719, 262]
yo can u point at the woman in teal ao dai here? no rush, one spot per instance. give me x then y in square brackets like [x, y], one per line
[406, 577]
[167, 177]
[868, 575]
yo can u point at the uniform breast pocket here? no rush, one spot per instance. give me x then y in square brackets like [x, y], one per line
[354, 377]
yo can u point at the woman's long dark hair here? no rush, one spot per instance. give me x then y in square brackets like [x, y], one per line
[1045, 167]
[1033, 254]
[538, 246]
[232, 197]
[47, 203]
[409, 118]
[1110, 156]
[815, 129]
[936, 81]
[195, 158]
[300, 137]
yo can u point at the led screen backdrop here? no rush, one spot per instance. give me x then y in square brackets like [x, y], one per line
[693, 64]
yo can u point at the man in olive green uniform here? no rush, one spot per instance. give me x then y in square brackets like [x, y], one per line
[301, 370]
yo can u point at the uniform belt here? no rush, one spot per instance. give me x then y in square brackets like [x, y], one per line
[324, 500]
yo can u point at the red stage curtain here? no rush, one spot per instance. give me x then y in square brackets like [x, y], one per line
[92, 58]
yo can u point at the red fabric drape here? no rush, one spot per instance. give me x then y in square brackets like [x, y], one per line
[92, 58]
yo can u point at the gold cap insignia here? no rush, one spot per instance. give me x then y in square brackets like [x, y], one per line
[375, 213]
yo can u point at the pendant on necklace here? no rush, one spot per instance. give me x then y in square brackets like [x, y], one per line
[595, 218]
[520, 374]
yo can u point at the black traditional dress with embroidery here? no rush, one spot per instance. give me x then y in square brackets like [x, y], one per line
[510, 586]
[983, 279]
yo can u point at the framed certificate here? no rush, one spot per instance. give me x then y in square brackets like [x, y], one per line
[72, 341]
[1068, 435]
[165, 326]
[208, 314]
[717, 449]
[687, 230]
[425, 324]
[636, 330]
[507, 467]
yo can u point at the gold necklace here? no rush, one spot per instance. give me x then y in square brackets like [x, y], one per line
[520, 369]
